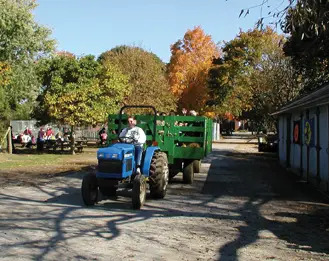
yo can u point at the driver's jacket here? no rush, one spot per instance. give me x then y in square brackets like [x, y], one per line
[134, 135]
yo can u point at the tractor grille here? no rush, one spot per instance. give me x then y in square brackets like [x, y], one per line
[129, 165]
[110, 166]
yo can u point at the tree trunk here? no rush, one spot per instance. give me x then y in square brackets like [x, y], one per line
[72, 140]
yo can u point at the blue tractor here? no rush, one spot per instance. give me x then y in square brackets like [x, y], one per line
[117, 167]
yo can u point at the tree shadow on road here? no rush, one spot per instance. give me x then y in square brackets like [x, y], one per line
[240, 176]
[61, 205]
[258, 180]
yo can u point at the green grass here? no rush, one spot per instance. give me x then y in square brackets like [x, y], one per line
[13, 161]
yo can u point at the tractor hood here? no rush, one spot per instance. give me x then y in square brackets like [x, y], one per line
[116, 151]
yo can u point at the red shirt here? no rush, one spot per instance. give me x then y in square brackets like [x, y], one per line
[49, 132]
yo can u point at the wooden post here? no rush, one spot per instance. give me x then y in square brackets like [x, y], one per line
[301, 143]
[328, 145]
[288, 141]
[308, 152]
[318, 147]
[72, 140]
[9, 141]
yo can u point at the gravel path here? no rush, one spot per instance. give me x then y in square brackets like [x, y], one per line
[241, 207]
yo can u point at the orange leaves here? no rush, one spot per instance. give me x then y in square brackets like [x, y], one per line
[5, 71]
[4, 67]
[66, 54]
[188, 68]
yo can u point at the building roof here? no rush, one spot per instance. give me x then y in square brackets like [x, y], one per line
[316, 98]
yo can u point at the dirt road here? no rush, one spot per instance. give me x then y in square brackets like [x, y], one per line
[241, 207]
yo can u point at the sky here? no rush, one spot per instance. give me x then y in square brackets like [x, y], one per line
[87, 27]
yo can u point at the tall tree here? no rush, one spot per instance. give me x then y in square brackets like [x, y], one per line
[22, 41]
[147, 76]
[253, 76]
[80, 91]
[308, 43]
[5, 72]
[190, 61]
[306, 21]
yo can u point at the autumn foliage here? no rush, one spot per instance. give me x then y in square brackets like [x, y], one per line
[146, 74]
[252, 78]
[188, 68]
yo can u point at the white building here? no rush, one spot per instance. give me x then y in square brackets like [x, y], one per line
[304, 137]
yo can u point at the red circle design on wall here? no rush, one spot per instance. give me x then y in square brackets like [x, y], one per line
[296, 133]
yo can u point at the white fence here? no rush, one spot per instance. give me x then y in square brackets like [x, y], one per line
[216, 131]
[18, 126]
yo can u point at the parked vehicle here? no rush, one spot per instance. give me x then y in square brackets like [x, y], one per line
[268, 143]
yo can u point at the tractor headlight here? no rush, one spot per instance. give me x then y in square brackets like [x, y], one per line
[100, 155]
[114, 156]
[128, 155]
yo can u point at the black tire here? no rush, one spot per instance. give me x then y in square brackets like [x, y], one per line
[188, 172]
[139, 191]
[159, 175]
[89, 189]
[196, 166]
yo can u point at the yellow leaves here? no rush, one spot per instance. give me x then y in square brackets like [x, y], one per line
[86, 94]
[210, 114]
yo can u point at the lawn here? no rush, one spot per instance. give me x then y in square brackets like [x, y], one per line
[29, 166]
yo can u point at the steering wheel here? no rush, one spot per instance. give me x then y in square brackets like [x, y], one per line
[127, 139]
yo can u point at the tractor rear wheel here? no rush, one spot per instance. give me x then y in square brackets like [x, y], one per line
[197, 166]
[188, 172]
[159, 175]
[139, 191]
[89, 189]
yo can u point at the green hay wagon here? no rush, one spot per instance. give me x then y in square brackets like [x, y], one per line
[185, 139]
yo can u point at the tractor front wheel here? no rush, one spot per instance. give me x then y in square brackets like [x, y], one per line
[159, 175]
[89, 189]
[139, 191]
[188, 172]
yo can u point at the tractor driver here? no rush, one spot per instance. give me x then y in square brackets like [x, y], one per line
[134, 135]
